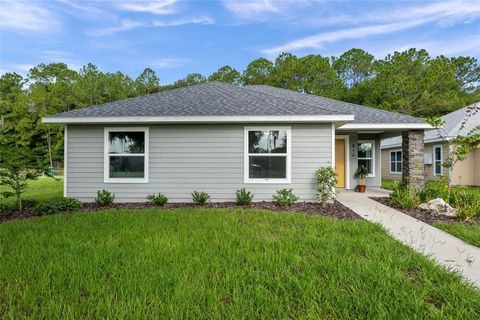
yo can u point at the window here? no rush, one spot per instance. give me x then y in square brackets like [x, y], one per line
[126, 155]
[267, 155]
[366, 156]
[437, 160]
[396, 161]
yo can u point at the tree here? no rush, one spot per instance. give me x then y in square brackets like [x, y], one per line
[258, 72]
[147, 82]
[354, 66]
[461, 144]
[315, 75]
[226, 74]
[190, 79]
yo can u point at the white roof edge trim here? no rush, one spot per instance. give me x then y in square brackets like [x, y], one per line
[425, 141]
[356, 126]
[199, 119]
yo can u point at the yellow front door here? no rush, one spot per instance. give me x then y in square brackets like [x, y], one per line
[340, 162]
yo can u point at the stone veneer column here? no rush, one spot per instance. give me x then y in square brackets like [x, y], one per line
[412, 151]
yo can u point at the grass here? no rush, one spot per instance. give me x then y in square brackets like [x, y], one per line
[42, 190]
[388, 184]
[207, 263]
[468, 233]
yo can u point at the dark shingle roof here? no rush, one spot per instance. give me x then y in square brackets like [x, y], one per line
[219, 99]
[362, 114]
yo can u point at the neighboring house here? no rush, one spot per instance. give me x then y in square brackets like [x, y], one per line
[437, 149]
[219, 138]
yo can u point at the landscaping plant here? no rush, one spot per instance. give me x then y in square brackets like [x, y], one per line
[360, 174]
[435, 189]
[200, 197]
[45, 208]
[326, 180]
[285, 197]
[68, 204]
[244, 197]
[158, 199]
[104, 197]
[404, 197]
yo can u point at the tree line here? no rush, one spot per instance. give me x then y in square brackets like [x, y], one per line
[410, 82]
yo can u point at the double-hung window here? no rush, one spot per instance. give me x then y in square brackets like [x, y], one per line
[267, 155]
[366, 156]
[396, 161]
[126, 155]
[437, 160]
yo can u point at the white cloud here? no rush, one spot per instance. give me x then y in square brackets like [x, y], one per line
[128, 24]
[27, 17]
[159, 7]
[407, 18]
[168, 63]
[251, 9]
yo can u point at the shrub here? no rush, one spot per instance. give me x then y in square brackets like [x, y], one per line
[433, 190]
[326, 180]
[200, 197]
[45, 208]
[104, 197]
[5, 210]
[466, 204]
[68, 204]
[404, 197]
[157, 199]
[244, 197]
[29, 203]
[285, 197]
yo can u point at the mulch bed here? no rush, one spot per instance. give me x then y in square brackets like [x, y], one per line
[335, 210]
[421, 215]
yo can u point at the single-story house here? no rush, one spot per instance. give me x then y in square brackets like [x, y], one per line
[437, 149]
[218, 138]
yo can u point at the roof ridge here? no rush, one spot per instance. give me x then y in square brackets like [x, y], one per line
[349, 103]
[290, 100]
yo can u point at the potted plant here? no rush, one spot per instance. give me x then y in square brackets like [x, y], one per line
[360, 175]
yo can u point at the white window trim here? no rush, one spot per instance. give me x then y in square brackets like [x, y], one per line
[372, 175]
[106, 156]
[390, 160]
[246, 178]
[435, 160]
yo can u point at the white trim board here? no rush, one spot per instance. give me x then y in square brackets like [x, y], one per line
[385, 126]
[202, 119]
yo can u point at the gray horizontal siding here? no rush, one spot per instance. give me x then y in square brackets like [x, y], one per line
[184, 158]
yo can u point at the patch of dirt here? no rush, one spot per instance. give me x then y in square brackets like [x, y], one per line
[335, 210]
[421, 215]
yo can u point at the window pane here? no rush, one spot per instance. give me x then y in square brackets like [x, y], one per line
[399, 167]
[127, 167]
[438, 167]
[438, 154]
[392, 156]
[392, 167]
[399, 155]
[267, 141]
[366, 163]
[267, 167]
[365, 150]
[126, 142]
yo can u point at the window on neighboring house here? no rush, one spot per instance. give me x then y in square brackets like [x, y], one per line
[267, 155]
[437, 160]
[126, 155]
[396, 161]
[366, 156]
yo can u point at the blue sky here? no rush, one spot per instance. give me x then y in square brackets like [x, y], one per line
[179, 37]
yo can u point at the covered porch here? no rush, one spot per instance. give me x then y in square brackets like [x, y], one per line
[359, 145]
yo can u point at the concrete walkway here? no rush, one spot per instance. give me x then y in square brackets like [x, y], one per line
[432, 242]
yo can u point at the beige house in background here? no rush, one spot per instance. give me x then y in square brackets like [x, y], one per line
[465, 172]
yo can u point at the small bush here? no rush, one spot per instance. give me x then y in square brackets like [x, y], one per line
[433, 190]
[326, 180]
[200, 197]
[404, 197]
[157, 199]
[68, 204]
[285, 197]
[45, 208]
[244, 197]
[29, 203]
[5, 210]
[104, 197]
[466, 204]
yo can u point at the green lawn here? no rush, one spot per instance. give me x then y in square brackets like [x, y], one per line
[468, 233]
[43, 189]
[207, 263]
